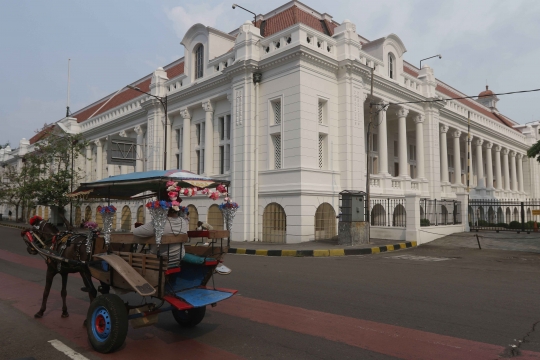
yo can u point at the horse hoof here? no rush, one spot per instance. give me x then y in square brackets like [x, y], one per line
[65, 314]
[38, 315]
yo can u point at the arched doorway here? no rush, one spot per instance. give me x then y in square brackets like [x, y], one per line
[516, 214]
[491, 215]
[500, 215]
[529, 215]
[140, 214]
[126, 219]
[215, 217]
[99, 219]
[274, 223]
[193, 217]
[325, 222]
[378, 215]
[399, 218]
[46, 215]
[78, 219]
[39, 211]
[88, 214]
[508, 215]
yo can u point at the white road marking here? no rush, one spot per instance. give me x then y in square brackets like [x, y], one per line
[418, 258]
[69, 352]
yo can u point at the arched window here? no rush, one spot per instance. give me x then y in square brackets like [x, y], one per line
[215, 217]
[193, 217]
[491, 215]
[529, 215]
[391, 66]
[274, 223]
[399, 218]
[378, 215]
[88, 214]
[500, 215]
[126, 219]
[46, 215]
[78, 214]
[508, 215]
[199, 60]
[99, 219]
[325, 222]
[140, 214]
[516, 214]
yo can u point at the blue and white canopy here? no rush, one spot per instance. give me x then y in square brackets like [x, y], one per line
[150, 182]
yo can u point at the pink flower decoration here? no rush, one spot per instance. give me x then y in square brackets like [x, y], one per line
[214, 195]
[175, 203]
[205, 191]
[170, 183]
[186, 192]
[173, 195]
[221, 188]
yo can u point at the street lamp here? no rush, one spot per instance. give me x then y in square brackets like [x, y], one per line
[431, 57]
[163, 102]
[254, 15]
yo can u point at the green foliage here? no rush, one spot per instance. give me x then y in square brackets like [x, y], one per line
[424, 222]
[483, 223]
[52, 168]
[514, 225]
[534, 151]
[503, 225]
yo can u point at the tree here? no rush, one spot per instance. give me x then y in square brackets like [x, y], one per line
[15, 187]
[53, 170]
[534, 151]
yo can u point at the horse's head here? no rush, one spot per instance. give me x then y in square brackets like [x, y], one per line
[44, 229]
[29, 239]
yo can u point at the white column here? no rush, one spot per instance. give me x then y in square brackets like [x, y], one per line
[209, 138]
[513, 170]
[110, 167]
[186, 140]
[419, 120]
[88, 168]
[520, 172]
[140, 149]
[402, 142]
[99, 159]
[489, 166]
[498, 172]
[383, 144]
[170, 154]
[506, 171]
[123, 168]
[457, 157]
[444, 154]
[479, 164]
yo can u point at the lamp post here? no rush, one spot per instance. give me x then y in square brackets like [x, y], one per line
[254, 15]
[163, 102]
[431, 57]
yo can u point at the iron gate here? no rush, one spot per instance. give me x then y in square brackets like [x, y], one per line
[503, 215]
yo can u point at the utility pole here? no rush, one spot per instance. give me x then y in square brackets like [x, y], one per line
[67, 104]
[368, 156]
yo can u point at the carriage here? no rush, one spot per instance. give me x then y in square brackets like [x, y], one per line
[119, 261]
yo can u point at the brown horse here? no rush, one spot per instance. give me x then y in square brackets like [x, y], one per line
[76, 248]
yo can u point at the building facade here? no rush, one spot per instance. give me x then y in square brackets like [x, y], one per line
[281, 108]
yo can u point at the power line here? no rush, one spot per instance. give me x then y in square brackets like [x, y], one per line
[456, 98]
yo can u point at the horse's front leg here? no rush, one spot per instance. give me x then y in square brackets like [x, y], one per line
[63, 293]
[51, 272]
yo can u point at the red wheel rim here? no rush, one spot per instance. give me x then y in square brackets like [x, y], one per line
[100, 324]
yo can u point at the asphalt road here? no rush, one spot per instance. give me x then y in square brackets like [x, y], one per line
[430, 302]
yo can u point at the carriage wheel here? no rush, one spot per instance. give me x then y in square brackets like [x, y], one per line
[107, 323]
[190, 317]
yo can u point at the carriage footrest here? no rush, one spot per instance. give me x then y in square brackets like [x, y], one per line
[200, 297]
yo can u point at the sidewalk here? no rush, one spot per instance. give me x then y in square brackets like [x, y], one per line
[504, 240]
[14, 224]
[316, 248]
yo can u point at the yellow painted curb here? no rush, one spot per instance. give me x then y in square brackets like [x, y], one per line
[288, 252]
[375, 250]
[321, 253]
[261, 252]
[240, 251]
[337, 252]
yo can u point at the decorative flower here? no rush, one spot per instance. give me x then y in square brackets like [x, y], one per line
[176, 208]
[90, 225]
[170, 183]
[205, 191]
[175, 203]
[35, 220]
[173, 195]
[221, 188]
[214, 195]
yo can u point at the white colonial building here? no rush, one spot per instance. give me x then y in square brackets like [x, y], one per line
[281, 109]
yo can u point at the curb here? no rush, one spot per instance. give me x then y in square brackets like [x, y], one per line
[323, 253]
[22, 227]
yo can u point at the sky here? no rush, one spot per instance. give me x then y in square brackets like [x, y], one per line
[113, 43]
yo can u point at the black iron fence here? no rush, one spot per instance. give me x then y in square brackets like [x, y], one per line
[388, 212]
[503, 215]
[439, 212]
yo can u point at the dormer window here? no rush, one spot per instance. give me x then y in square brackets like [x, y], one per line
[391, 71]
[199, 59]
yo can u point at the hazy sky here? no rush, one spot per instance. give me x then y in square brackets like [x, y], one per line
[113, 43]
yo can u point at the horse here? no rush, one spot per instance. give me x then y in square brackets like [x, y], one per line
[67, 245]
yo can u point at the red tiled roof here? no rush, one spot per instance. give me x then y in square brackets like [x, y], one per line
[41, 134]
[291, 16]
[126, 95]
[467, 102]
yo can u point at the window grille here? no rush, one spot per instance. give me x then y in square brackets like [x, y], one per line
[277, 112]
[321, 151]
[215, 217]
[140, 214]
[221, 128]
[228, 124]
[125, 224]
[221, 159]
[277, 151]
[199, 59]
[325, 222]
[227, 157]
[274, 223]
[193, 217]
[321, 112]
[390, 66]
